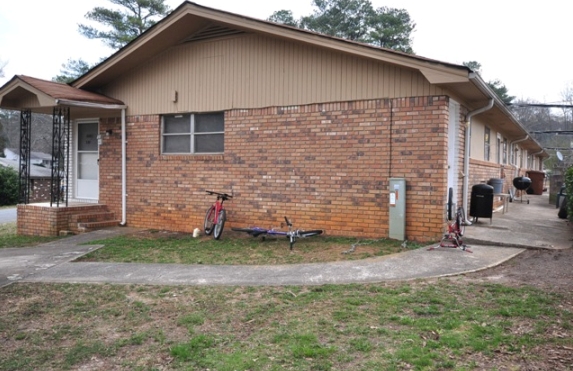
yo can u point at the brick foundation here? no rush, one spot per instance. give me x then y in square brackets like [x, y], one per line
[43, 220]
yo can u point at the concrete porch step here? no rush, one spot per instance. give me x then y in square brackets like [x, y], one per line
[92, 220]
[91, 217]
[92, 226]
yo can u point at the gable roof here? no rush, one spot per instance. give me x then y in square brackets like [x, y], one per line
[25, 92]
[191, 22]
[35, 171]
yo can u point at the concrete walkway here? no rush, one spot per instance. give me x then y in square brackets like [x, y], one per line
[533, 225]
[525, 225]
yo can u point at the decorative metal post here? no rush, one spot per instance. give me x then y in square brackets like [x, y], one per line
[60, 155]
[25, 150]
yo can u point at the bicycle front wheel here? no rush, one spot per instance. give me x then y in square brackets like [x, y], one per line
[460, 216]
[310, 233]
[218, 229]
[209, 220]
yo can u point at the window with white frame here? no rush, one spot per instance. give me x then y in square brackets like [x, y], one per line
[504, 155]
[498, 149]
[193, 133]
[486, 144]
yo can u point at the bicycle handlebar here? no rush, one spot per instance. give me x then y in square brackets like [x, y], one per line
[223, 195]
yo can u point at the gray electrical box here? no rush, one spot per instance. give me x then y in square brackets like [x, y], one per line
[397, 205]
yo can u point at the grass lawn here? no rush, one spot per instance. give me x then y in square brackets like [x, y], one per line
[422, 325]
[438, 324]
[235, 248]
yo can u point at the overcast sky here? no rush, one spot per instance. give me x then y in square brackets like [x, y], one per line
[523, 43]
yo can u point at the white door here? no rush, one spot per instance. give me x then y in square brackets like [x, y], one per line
[87, 155]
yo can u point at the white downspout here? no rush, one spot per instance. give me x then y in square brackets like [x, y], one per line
[467, 156]
[511, 146]
[123, 170]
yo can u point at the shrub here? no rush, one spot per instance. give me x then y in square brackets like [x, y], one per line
[9, 186]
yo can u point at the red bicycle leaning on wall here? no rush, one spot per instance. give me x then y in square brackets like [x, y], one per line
[216, 215]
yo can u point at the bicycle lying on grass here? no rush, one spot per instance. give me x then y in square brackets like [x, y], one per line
[291, 234]
[216, 215]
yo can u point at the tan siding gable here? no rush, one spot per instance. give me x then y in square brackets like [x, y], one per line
[251, 71]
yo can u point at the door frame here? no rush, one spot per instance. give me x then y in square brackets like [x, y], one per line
[76, 162]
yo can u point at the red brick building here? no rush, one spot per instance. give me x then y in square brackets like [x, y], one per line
[289, 121]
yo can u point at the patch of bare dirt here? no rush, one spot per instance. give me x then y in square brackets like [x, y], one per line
[550, 270]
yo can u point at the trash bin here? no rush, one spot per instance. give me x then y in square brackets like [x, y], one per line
[481, 201]
[497, 185]
[560, 197]
[562, 213]
[537, 179]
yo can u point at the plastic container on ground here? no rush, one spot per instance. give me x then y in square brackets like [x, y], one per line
[537, 179]
[560, 197]
[497, 185]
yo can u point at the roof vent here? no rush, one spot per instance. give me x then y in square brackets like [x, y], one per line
[211, 32]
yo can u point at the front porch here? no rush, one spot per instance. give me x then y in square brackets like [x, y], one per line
[73, 182]
[41, 219]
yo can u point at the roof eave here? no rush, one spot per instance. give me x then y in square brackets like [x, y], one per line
[501, 106]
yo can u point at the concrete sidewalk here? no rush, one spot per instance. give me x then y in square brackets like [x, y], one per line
[526, 225]
[533, 225]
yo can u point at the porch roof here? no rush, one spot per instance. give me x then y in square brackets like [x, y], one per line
[41, 96]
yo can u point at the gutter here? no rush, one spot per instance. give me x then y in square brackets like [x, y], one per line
[467, 156]
[74, 103]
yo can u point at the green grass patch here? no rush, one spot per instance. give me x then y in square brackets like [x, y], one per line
[10, 238]
[345, 327]
[235, 248]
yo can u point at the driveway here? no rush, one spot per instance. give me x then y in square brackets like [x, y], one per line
[8, 215]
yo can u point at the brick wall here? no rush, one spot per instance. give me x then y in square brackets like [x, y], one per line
[325, 166]
[482, 172]
[40, 190]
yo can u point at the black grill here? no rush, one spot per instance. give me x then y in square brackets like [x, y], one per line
[521, 183]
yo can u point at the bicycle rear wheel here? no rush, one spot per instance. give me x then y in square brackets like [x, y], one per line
[310, 233]
[218, 229]
[209, 220]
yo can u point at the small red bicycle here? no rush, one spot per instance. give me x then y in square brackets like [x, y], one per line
[216, 215]
[453, 236]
